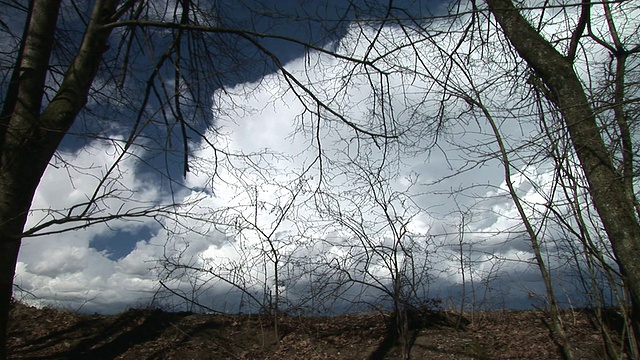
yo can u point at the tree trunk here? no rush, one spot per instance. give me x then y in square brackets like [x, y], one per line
[29, 136]
[606, 185]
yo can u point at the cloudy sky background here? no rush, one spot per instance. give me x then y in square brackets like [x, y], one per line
[109, 267]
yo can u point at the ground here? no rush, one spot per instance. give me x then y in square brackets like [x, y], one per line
[155, 334]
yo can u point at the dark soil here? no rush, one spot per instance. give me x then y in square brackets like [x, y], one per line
[154, 334]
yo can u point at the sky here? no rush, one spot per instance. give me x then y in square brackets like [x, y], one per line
[109, 267]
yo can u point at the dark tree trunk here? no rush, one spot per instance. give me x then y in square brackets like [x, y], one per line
[29, 136]
[614, 204]
[19, 130]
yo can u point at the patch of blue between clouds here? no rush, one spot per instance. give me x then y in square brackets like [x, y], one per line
[117, 244]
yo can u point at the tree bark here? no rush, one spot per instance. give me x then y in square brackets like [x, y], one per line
[22, 106]
[606, 185]
[29, 136]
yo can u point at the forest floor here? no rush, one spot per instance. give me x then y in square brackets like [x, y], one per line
[154, 334]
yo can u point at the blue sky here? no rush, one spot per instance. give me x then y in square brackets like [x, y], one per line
[108, 267]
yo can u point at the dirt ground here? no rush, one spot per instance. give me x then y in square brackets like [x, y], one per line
[154, 334]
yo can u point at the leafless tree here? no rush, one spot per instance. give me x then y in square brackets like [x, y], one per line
[578, 59]
[137, 67]
[379, 250]
[610, 178]
[514, 66]
[145, 67]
